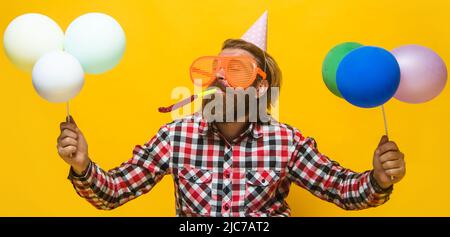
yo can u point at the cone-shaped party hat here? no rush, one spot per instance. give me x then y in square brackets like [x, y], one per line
[257, 34]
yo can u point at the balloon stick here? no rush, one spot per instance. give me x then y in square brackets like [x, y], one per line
[68, 118]
[385, 121]
[385, 127]
[68, 111]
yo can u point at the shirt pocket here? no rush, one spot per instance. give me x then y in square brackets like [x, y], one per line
[260, 187]
[195, 190]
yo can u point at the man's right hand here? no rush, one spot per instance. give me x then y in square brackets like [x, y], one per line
[72, 146]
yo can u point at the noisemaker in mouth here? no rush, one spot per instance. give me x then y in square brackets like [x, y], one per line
[187, 101]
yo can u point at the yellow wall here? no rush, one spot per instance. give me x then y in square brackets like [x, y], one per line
[118, 109]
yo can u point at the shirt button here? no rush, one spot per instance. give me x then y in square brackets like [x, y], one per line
[226, 206]
[226, 174]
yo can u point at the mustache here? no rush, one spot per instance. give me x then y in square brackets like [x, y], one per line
[219, 83]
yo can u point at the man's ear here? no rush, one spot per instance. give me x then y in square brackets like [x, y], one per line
[261, 88]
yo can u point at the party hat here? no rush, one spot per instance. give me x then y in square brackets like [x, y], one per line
[257, 34]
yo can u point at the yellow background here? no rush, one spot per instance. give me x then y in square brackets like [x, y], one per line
[118, 109]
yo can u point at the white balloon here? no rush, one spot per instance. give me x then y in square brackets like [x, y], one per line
[96, 40]
[58, 76]
[29, 36]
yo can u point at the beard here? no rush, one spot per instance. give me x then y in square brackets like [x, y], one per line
[234, 105]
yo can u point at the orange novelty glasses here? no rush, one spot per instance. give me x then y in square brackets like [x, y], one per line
[238, 71]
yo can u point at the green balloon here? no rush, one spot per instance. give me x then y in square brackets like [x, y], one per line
[331, 64]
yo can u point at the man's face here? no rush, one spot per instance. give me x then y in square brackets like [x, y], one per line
[230, 107]
[221, 81]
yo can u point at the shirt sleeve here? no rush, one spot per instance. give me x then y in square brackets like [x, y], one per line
[329, 181]
[138, 175]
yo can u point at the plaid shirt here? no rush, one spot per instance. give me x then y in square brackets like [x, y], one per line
[250, 176]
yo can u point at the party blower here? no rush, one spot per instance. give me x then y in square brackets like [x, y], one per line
[186, 101]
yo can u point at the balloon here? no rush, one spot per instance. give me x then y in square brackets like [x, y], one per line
[58, 76]
[29, 36]
[331, 63]
[423, 74]
[368, 76]
[96, 40]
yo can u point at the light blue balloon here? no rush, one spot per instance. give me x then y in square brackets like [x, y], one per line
[97, 41]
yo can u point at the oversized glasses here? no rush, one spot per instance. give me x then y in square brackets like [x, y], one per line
[238, 71]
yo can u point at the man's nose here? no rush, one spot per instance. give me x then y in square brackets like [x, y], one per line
[221, 80]
[220, 74]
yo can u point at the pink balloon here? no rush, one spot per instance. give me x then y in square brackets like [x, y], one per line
[423, 74]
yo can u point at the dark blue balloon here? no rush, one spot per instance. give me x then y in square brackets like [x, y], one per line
[368, 76]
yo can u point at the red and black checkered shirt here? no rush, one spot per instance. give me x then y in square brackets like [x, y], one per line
[250, 176]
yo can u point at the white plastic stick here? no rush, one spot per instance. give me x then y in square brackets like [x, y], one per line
[385, 121]
[68, 111]
[68, 118]
[385, 127]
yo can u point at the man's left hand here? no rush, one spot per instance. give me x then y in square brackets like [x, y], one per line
[388, 163]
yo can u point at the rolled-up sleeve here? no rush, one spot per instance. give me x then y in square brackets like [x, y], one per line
[329, 181]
